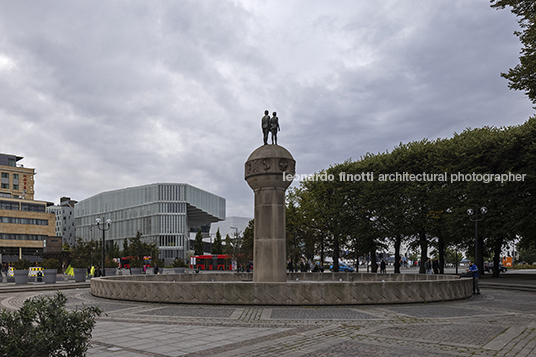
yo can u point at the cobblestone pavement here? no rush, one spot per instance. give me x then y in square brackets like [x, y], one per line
[495, 323]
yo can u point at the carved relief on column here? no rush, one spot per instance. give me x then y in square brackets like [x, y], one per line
[287, 166]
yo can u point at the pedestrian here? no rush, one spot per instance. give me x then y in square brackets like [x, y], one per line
[428, 266]
[155, 271]
[435, 266]
[382, 267]
[290, 266]
[474, 269]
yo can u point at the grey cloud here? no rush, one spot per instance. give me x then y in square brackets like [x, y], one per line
[113, 94]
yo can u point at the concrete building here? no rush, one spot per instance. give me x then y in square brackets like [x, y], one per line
[162, 212]
[26, 228]
[65, 223]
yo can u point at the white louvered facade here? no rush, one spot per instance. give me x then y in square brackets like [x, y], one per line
[162, 212]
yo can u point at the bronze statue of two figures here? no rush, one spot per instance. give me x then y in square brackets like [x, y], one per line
[270, 125]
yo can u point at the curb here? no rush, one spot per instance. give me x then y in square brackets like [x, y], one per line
[22, 288]
[508, 286]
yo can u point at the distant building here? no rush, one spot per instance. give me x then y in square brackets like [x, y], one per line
[162, 212]
[231, 226]
[16, 180]
[65, 223]
[26, 229]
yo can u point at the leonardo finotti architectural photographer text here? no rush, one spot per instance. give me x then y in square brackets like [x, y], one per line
[407, 177]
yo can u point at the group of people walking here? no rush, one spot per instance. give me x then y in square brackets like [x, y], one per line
[431, 266]
[304, 267]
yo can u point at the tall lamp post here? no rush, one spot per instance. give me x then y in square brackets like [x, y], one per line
[235, 243]
[103, 228]
[470, 212]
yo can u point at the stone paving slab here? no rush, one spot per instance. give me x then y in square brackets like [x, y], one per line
[496, 323]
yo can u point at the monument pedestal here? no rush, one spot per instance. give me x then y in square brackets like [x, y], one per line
[265, 172]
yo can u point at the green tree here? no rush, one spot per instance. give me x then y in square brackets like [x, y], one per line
[126, 249]
[113, 250]
[452, 256]
[295, 225]
[85, 253]
[198, 243]
[228, 248]
[247, 242]
[521, 77]
[217, 246]
[429, 214]
[138, 249]
[528, 255]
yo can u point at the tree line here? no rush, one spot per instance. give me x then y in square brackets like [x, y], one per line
[419, 194]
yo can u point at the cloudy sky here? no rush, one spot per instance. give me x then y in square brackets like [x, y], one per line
[104, 95]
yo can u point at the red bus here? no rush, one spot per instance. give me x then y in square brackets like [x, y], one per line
[125, 262]
[212, 262]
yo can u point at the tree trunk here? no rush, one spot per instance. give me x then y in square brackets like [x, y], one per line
[373, 264]
[356, 258]
[497, 256]
[480, 259]
[398, 241]
[441, 251]
[424, 250]
[322, 255]
[335, 253]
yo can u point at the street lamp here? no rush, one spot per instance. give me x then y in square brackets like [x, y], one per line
[103, 228]
[470, 212]
[235, 243]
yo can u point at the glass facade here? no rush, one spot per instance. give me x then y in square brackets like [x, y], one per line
[162, 212]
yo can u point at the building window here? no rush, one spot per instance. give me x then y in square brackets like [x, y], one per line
[5, 180]
[9, 205]
[18, 220]
[15, 176]
[11, 162]
[33, 207]
[15, 187]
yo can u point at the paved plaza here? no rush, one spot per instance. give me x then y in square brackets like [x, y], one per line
[499, 322]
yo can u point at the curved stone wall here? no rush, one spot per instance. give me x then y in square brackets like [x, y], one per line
[300, 289]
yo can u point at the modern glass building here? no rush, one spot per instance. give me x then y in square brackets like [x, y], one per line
[162, 212]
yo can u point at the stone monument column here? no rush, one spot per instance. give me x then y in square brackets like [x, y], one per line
[266, 173]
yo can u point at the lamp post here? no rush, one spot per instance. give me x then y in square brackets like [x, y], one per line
[103, 228]
[470, 212]
[235, 243]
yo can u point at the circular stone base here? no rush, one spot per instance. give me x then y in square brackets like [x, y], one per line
[300, 289]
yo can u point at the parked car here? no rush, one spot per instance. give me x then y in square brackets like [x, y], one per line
[488, 268]
[342, 267]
